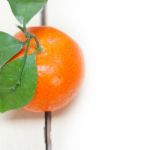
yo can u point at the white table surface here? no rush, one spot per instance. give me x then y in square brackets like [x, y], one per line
[112, 111]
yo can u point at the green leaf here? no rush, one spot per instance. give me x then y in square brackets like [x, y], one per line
[11, 98]
[9, 46]
[24, 10]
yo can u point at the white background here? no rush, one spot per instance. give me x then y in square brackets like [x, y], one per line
[112, 111]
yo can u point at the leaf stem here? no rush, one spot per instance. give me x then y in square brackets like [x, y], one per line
[18, 83]
[29, 35]
[39, 48]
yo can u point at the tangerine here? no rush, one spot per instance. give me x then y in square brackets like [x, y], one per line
[59, 68]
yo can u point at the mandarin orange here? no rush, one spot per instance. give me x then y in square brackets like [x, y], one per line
[59, 67]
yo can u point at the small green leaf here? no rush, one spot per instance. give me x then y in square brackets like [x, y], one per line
[24, 10]
[12, 96]
[9, 46]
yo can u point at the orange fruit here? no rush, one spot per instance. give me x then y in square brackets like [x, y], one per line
[59, 66]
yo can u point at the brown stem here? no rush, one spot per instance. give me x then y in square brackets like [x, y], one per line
[48, 115]
[48, 130]
[43, 16]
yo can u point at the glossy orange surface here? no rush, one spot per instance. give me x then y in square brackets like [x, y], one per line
[60, 69]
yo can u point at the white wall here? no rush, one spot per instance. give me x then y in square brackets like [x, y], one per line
[112, 111]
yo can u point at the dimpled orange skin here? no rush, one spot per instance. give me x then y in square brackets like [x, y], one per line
[59, 67]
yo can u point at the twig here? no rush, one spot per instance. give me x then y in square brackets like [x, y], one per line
[43, 16]
[48, 115]
[48, 130]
